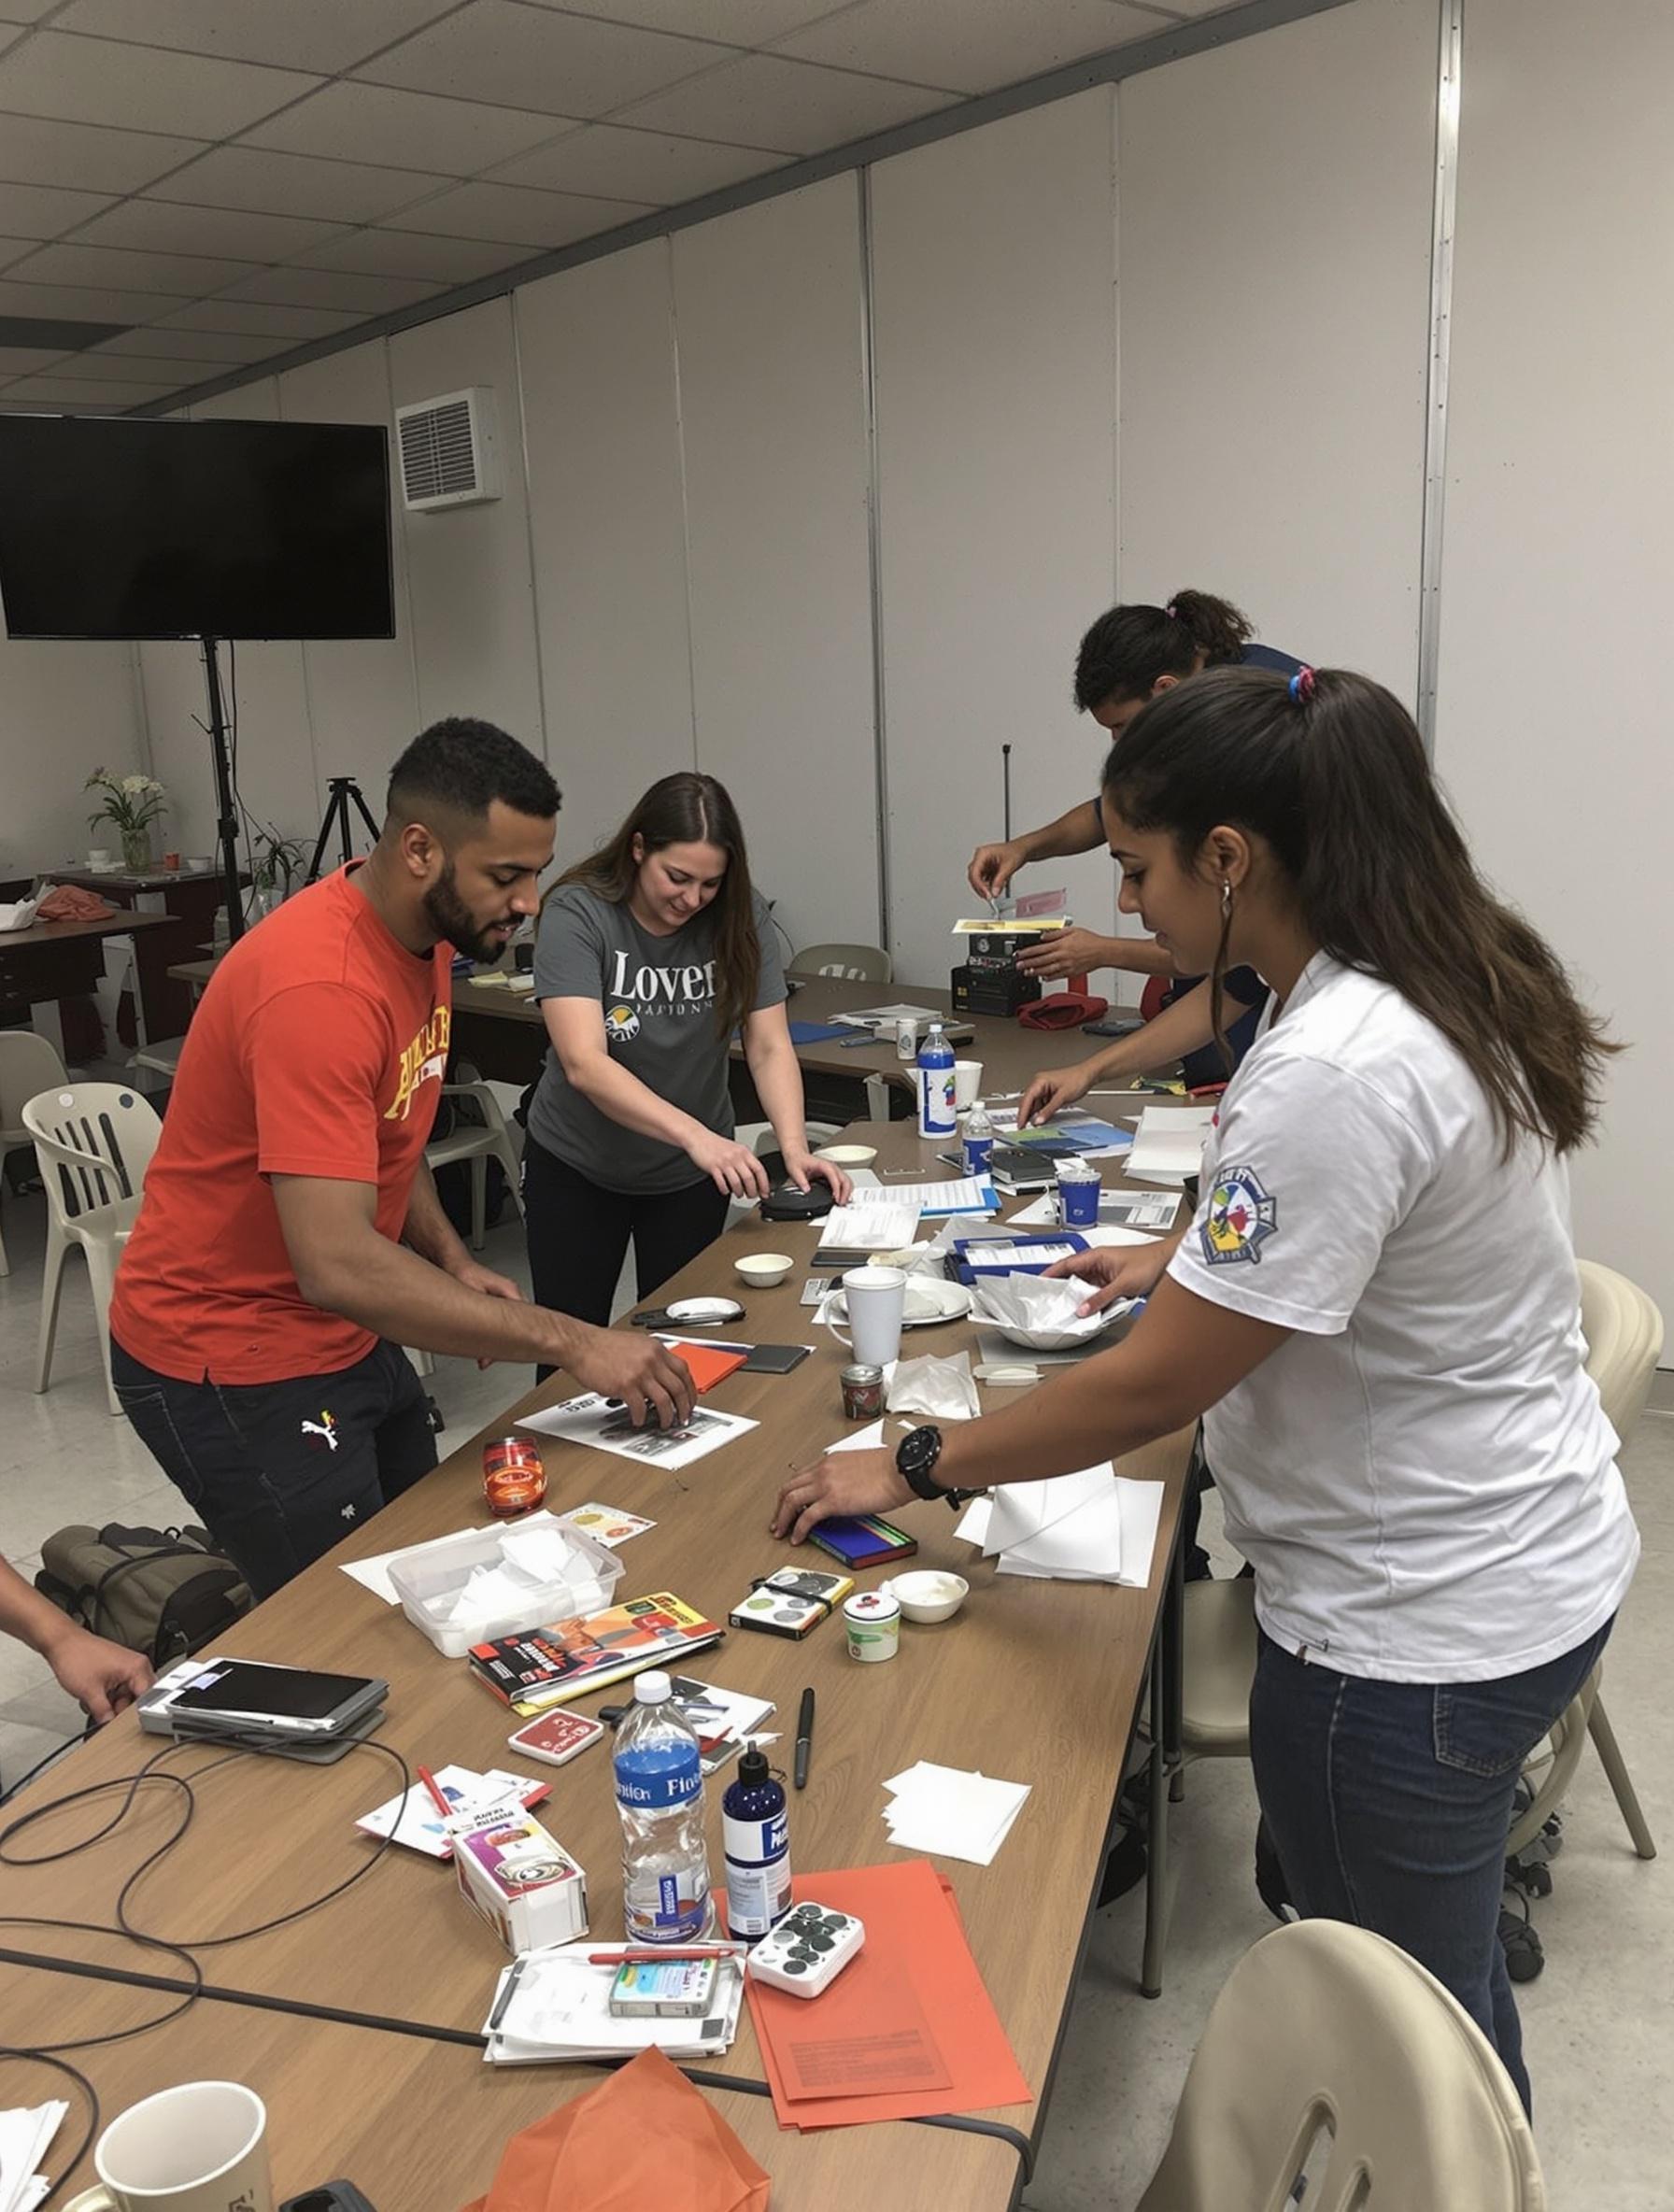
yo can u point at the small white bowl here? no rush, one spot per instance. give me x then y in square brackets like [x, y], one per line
[929, 1593]
[849, 1156]
[762, 1270]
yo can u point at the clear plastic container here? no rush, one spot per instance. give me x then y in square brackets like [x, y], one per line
[431, 1584]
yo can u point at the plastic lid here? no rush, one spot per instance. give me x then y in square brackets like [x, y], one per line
[652, 1689]
[753, 1767]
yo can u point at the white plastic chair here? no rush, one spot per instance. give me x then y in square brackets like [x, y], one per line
[1336, 2072]
[94, 1141]
[857, 963]
[28, 1065]
[477, 1141]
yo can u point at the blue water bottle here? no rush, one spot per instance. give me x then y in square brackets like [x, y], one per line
[935, 1085]
[755, 1838]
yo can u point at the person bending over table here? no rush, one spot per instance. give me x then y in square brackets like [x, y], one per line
[1376, 1309]
[291, 1239]
[651, 953]
[1129, 656]
[101, 1675]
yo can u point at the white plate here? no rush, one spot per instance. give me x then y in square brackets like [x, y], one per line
[925, 1305]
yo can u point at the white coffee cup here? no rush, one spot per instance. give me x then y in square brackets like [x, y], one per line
[98, 856]
[967, 1084]
[875, 1297]
[199, 2148]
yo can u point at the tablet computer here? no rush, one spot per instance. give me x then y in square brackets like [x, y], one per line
[236, 1695]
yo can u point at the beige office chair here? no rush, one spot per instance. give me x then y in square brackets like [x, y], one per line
[477, 1136]
[94, 1141]
[1334, 2066]
[28, 1064]
[857, 963]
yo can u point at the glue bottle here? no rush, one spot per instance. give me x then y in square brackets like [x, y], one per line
[659, 1797]
[756, 1841]
[935, 1085]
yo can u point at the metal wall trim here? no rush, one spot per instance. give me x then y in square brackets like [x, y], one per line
[874, 553]
[1442, 307]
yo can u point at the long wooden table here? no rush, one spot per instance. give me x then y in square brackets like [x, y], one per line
[54, 961]
[1033, 1681]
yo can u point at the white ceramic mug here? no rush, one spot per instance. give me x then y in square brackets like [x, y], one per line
[875, 1297]
[967, 1084]
[200, 2147]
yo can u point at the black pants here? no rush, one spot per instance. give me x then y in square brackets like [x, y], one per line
[277, 1472]
[578, 1235]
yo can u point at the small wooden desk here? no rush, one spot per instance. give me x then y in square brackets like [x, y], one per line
[1033, 1681]
[54, 961]
[188, 899]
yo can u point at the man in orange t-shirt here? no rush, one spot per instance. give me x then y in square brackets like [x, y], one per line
[290, 1238]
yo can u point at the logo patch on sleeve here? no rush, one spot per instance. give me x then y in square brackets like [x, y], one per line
[1242, 1217]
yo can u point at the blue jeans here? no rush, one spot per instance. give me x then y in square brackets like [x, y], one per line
[1389, 1805]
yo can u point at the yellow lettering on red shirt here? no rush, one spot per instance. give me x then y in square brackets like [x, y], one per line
[421, 1061]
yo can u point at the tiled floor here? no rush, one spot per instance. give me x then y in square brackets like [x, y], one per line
[1598, 2023]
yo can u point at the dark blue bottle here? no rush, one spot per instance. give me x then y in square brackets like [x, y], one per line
[755, 1838]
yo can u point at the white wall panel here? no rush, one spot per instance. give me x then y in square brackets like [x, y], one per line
[362, 697]
[767, 314]
[468, 568]
[1274, 285]
[994, 348]
[65, 709]
[596, 344]
[1554, 725]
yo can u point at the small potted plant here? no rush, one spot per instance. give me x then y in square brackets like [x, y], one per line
[130, 803]
[276, 862]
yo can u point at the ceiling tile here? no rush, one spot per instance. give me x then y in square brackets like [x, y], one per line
[33, 151]
[55, 390]
[73, 305]
[44, 210]
[119, 368]
[159, 226]
[207, 351]
[372, 122]
[31, 11]
[13, 251]
[331, 288]
[790, 106]
[410, 253]
[23, 361]
[293, 184]
[635, 165]
[100, 80]
[249, 319]
[10, 35]
[182, 274]
[520, 218]
[968, 45]
[742, 22]
[321, 35]
[530, 57]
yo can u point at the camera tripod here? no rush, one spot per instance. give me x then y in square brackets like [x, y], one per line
[344, 790]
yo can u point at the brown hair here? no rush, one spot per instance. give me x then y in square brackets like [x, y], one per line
[689, 809]
[1333, 777]
[1126, 651]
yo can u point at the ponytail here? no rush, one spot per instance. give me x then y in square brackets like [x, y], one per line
[1329, 771]
[1125, 652]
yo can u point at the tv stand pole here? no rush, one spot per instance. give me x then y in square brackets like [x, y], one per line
[227, 824]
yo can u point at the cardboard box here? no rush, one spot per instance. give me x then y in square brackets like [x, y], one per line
[522, 1881]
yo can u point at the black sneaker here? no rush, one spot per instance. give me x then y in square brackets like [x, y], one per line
[1124, 1870]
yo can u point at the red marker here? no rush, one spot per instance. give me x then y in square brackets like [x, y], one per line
[430, 1783]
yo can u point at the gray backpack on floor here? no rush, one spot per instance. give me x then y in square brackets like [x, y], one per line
[165, 1592]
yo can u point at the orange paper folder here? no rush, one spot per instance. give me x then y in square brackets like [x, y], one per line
[914, 1989]
[708, 1364]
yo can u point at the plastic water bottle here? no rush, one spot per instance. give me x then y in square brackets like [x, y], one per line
[978, 1142]
[659, 1797]
[935, 1085]
[757, 1842]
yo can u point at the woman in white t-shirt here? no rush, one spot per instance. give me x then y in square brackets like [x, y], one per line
[1375, 1309]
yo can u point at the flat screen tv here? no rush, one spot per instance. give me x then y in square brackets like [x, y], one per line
[113, 527]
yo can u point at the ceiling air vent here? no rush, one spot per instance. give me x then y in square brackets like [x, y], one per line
[448, 455]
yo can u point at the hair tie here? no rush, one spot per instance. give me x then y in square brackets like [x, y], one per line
[1301, 685]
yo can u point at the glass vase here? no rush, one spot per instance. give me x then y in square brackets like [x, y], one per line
[136, 850]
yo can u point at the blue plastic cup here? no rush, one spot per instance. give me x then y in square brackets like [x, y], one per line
[1078, 1198]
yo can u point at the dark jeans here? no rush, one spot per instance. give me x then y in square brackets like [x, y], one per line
[277, 1472]
[1389, 1804]
[578, 1235]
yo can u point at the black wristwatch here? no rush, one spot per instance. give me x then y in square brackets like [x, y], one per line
[916, 1459]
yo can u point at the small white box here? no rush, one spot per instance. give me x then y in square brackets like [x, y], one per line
[522, 1881]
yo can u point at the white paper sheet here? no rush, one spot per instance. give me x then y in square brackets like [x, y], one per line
[953, 1194]
[1093, 1526]
[873, 1221]
[373, 1574]
[591, 1419]
[951, 1814]
[1169, 1143]
[1123, 1215]
[26, 2133]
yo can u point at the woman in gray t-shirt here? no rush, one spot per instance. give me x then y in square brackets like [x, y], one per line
[651, 954]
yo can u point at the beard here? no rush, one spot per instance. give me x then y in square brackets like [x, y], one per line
[451, 918]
